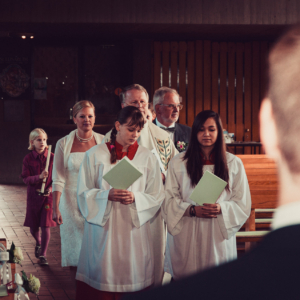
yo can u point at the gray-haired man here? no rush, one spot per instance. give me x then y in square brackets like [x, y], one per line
[166, 103]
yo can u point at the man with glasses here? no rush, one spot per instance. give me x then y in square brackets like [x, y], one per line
[157, 141]
[166, 103]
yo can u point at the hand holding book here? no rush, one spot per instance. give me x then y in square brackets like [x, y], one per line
[208, 210]
[123, 196]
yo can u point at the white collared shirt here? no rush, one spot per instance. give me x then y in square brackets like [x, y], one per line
[286, 215]
[171, 134]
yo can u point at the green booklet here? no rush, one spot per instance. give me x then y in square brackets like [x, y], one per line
[123, 174]
[3, 291]
[208, 189]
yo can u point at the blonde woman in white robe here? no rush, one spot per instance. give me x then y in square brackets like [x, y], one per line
[200, 237]
[69, 153]
[117, 248]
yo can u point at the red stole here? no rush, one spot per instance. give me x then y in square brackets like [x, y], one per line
[131, 151]
[210, 161]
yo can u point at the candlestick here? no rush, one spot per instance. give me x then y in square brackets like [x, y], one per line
[46, 169]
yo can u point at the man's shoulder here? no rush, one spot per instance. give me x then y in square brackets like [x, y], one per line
[260, 274]
[158, 132]
[183, 127]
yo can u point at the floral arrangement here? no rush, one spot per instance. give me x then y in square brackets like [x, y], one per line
[15, 254]
[181, 146]
[31, 284]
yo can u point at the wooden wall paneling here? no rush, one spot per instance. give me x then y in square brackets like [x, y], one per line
[223, 84]
[239, 95]
[182, 81]
[264, 50]
[174, 65]
[215, 77]
[263, 69]
[231, 88]
[199, 77]
[247, 96]
[191, 83]
[179, 12]
[166, 63]
[207, 75]
[152, 73]
[255, 90]
[157, 65]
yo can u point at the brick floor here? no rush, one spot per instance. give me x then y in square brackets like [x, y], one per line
[56, 282]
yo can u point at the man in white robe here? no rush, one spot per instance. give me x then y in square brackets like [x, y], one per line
[157, 141]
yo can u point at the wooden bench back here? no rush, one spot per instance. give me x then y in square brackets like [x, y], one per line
[263, 182]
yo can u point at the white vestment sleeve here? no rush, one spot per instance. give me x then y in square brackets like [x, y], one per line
[173, 207]
[148, 202]
[92, 200]
[235, 210]
[58, 172]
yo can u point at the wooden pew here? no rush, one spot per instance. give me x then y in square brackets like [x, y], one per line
[263, 182]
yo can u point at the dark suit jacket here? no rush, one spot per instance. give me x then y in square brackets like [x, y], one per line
[182, 133]
[269, 271]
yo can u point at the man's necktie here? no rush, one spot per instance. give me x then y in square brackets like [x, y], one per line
[170, 129]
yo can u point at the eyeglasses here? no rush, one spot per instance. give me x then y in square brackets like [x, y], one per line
[172, 106]
[137, 103]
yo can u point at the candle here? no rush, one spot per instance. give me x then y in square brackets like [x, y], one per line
[47, 167]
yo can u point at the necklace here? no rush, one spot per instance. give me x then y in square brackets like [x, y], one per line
[81, 140]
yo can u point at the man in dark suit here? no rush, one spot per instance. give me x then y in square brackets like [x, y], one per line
[166, 103]
[272, 269]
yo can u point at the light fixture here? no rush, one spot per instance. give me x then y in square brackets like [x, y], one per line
[32, 37]
[23, 37]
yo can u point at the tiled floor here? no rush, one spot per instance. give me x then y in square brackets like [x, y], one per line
[56, 282]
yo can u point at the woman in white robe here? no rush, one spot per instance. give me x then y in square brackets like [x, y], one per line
[116, 254]
[69, 153]
[203, 236]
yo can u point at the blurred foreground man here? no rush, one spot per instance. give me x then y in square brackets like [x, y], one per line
[157, 141]
[272, 269]
[166, 103]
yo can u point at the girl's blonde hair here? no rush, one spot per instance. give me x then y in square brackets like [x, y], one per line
[34, 134]
[80, 105]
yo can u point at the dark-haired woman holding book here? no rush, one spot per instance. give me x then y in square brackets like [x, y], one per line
[204, 236]
[116, 254]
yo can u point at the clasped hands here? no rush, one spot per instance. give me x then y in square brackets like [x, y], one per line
[208, 210]
[123, 196]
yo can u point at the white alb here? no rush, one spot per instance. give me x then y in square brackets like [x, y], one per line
[194, 244]
[117, 246]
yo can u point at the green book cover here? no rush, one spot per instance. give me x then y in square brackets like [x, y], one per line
[3, 291]
[122, 175]
[208, 189]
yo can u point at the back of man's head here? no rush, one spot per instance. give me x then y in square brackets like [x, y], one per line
[284, 94]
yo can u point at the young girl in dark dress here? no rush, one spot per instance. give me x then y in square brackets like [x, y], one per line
[39, 208]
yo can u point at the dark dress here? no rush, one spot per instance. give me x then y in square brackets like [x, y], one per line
[39, 208]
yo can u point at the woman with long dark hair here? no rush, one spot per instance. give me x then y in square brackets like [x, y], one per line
[204, 236]
[116, 255]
